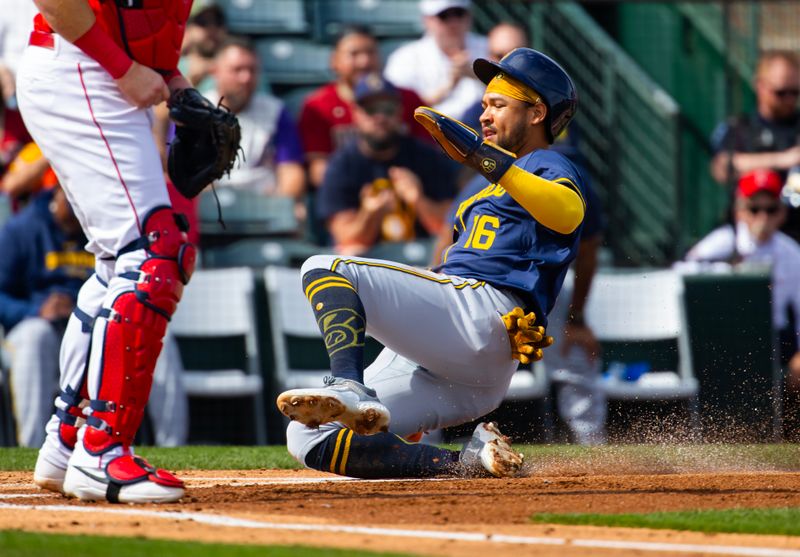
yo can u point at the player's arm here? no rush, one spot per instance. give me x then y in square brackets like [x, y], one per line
[558, 205]
[74, 20]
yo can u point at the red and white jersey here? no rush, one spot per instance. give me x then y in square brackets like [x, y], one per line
[150, 31]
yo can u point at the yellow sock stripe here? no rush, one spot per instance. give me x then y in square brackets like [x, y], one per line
[325, 280]
[408, 272]
[336, 450]
[330, 285]
[346, 452]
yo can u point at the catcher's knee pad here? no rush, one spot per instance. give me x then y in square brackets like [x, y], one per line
[134, 328]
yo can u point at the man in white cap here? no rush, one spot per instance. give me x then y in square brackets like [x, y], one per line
[438, 66]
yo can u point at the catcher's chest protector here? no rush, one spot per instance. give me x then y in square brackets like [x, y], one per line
[151, 31]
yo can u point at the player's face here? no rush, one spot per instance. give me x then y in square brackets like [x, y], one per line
[778, 89]
[506, 121]
[237, 76]
[355, 56]
[763, 213]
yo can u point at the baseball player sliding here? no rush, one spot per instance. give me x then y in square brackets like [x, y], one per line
[87, 79]
[453, 335]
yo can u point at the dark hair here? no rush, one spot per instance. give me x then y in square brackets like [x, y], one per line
[210, 16]
[238, 41]
[353, 29]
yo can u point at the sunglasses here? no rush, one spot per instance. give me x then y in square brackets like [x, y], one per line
[784, 93]
[452, 13]
[770, 210]
[387, 108]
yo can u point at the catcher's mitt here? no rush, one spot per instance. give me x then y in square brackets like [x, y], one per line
[527, 340]
[206, 141]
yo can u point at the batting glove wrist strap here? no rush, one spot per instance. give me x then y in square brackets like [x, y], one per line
[463, 144]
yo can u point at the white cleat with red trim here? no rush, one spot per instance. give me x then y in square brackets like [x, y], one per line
[125, 479]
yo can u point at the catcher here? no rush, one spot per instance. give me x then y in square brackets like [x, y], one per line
[454, 336]
[87, 80]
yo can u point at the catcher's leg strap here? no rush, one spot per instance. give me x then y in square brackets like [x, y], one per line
[340, 317]
[383, 455]
[133, 327]
[69, 411]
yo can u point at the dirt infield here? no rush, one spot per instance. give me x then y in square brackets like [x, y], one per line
[435, 517]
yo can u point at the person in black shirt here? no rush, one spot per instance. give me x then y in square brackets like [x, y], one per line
[768, 138]
[383, 185]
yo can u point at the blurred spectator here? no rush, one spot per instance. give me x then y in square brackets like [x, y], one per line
[16, 23]
[502, 39]
[383, 185]
[754, 238]
[273, 157]
[439, 65]
[42, 268]
[206, 31]
[768, 138]
[27, 174]
[326, 119]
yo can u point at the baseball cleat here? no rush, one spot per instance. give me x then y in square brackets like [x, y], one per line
[125, 479]
[490, 451]
[48, 476]
[340, 400]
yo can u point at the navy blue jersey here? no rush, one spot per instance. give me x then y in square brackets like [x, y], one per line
[499, 242]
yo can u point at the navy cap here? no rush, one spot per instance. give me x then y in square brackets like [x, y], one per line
[373, 86]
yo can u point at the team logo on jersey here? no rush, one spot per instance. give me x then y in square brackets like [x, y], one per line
[488, 165]
[340, 328]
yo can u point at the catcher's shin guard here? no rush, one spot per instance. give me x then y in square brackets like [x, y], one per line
[129, 334]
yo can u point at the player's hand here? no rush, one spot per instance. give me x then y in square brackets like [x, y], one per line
[56, 306]
[407, 185]
[527, 340]
[465, 145]
[581, 336]
[143, 87]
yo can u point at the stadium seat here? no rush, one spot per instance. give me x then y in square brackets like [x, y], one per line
[645, 307]
[294, 61]
[246, 213]
[259, 253]
[417, 252]
[260, 17]
[386, 18]
[216, 320]
[5, 209]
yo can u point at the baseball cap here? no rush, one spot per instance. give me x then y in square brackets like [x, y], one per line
[434, 7]
[373, 86]
[760, 180]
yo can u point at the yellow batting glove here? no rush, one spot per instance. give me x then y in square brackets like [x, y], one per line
[527, 340]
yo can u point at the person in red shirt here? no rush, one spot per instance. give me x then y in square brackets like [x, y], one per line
[326, 118]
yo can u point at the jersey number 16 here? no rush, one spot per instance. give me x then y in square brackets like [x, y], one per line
[483, 232]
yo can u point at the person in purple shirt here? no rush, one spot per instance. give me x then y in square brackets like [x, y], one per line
[272, 161]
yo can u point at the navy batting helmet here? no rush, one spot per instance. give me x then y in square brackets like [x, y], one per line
[542, 74]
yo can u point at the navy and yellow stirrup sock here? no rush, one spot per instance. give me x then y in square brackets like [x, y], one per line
[340, 317]
[383, 455]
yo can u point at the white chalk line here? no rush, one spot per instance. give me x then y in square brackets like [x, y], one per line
[289, 481]
[234, 522]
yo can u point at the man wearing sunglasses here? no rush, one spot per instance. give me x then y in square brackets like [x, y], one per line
[439, 65]
[383, 185]
[756, 238]
[768, 138]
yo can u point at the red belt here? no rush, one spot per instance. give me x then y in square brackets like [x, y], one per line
[42, 39]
